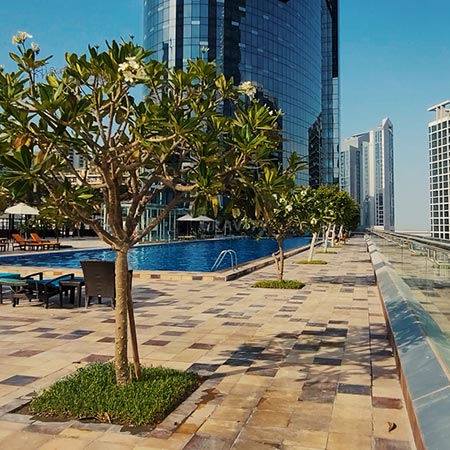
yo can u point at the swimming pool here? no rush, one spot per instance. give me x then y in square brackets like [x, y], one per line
[196, 256]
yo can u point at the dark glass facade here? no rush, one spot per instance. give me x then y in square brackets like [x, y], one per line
[287, 48]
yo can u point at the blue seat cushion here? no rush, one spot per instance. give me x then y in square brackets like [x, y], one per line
[9, 275]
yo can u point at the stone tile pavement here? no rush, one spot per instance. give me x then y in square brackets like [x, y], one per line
[308, 369]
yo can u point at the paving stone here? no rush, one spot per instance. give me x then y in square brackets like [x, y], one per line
[284, 370]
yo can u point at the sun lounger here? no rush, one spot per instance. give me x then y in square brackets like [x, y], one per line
[45, 243]
[22, 244]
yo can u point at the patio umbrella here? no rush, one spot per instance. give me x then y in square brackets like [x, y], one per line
[204, 219]
[185, 218]
[189, 218]
[22, 209]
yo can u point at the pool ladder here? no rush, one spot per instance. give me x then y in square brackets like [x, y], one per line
[222, 254]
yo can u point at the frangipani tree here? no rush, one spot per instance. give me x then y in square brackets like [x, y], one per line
[348, 213]
[174, 139]
[342, 211]
[276, 205]
[319, 214]
[329, 207]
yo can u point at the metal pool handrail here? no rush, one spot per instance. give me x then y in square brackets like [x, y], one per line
[222, 254]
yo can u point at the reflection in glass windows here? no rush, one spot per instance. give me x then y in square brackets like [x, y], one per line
[289, 49]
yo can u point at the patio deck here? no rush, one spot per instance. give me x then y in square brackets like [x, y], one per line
[308, 369]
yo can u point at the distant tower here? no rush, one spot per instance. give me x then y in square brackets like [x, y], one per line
[438, 148]
[367, 173]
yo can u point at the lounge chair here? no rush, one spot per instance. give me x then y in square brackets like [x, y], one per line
[19, 287]
[5, 277]
[35, 286]
[45, 243]
[47, 288]
[99, 278]
[22, 244]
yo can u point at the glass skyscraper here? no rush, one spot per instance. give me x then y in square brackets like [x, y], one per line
[287, 48]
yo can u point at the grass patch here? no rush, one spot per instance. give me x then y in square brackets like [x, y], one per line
[276, 284]
[91, 392]
[314, 261]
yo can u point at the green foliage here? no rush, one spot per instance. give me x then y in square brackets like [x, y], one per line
[174, 138]
[313, 261]
[279, 284]
[92, 392]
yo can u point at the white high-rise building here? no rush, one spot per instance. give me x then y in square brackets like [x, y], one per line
[439, 152]
[367, 173]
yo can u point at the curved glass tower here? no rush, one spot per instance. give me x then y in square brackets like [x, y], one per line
[288, 48]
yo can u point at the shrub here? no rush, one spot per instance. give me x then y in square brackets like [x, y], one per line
[276, 284]
[314, 261]
[92, 392]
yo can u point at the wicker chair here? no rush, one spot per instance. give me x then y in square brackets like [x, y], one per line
[99, 278]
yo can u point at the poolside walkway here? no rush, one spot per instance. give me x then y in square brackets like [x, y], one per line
[307, 369]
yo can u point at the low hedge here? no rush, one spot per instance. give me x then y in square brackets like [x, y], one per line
[276, 284]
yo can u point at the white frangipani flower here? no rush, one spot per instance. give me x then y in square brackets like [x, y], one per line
[247, 88]
[132, 63]
[131, 70]
[35, 47]
[20, 37]
[128, 76]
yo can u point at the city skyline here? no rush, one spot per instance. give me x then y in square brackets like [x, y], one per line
[367, 173]
[391, 66]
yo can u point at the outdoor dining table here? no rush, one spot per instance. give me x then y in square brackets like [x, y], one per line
[72, 285]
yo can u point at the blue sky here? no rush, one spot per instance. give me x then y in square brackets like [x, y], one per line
[395, 62]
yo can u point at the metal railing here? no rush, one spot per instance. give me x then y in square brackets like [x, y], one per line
[222, 255]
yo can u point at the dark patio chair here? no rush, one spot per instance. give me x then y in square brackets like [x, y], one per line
[99, 279]
[5, 278]
[47, 288]
[21, 287]
[35, 286]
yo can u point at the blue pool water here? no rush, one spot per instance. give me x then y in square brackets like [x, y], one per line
[198, 256]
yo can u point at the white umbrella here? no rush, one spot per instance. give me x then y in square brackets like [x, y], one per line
[185, 218]
[204, 219]
[189, 218]
[22, 208]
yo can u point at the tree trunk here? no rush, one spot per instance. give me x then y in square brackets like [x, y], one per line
[341, 232]
[311, 246]
[280, 259]
[325, 238]
[133, 336]
[121, 338]
[333, 235]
